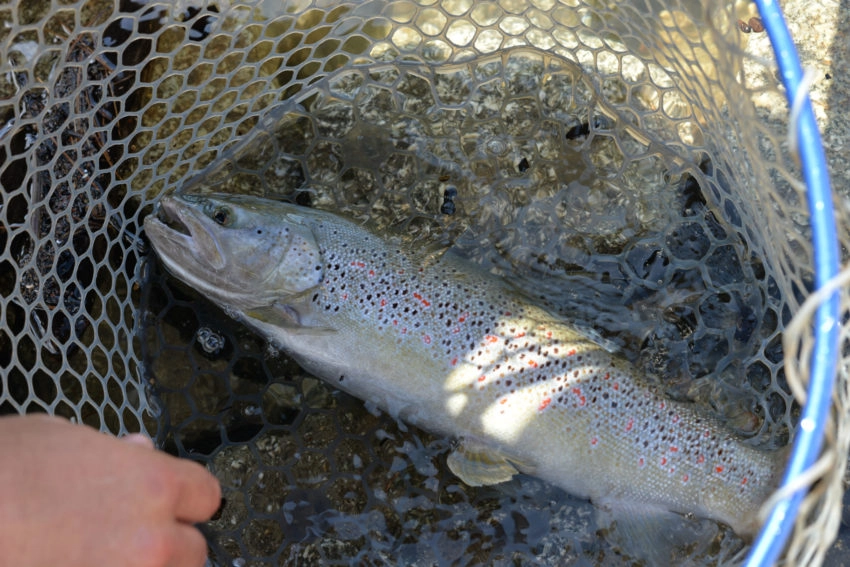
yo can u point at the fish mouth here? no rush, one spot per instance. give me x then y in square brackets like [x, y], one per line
[181, 235]
[166, 227]
[168, 213]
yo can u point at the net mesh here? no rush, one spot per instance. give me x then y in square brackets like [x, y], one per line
[625, 162]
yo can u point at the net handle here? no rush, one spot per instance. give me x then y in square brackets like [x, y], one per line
[808, 441]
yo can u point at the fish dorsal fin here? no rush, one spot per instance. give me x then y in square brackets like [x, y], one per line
[432, 253]
[421, 252]
[478, 464]
[428, 254]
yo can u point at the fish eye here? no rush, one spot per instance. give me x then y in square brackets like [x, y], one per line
[222, 215]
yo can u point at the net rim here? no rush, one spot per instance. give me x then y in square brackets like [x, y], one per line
[809, 439]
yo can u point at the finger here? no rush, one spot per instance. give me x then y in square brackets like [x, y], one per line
[174, 545]
[198, 492]
[138, 439]
[190, 547]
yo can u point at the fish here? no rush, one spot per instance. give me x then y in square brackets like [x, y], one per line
[444, 345]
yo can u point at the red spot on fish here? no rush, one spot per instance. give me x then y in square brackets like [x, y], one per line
[548, 334]
[581, 399]
[676, 418]
[490, 338]
[456, 330]
[423, 301]
[663, 461]
[571, 352]
[508, 313]
[462, 318]
[371, 273]
[426, 339]
[344, 296]
[454, 361]
[616, 386]
[532, 363]
[519, 335]
[700, 460]
[383, 303]
[607, 375]
[641, 462]
[718, 469]
[707, 433]
[661, 405]
[685, 478]
[358, 264]
[482, 378]
[503, 400]
[594, 441]
[404, 330]
[630, 424]
[743, 481]
[395, 322]
[544, 404]
[674, 449]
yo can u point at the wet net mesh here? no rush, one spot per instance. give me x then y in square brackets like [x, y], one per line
[625, 162]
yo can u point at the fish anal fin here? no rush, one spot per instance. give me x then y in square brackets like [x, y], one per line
[478, 464]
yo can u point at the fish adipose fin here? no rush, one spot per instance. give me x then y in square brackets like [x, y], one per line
[655, 536]
[478, 464]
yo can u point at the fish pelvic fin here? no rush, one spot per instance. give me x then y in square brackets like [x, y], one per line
[478, 464]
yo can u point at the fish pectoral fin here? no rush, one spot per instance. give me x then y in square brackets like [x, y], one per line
[654, 535]
[478, 464]
[286, 317]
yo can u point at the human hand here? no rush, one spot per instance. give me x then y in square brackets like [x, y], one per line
[74, 497]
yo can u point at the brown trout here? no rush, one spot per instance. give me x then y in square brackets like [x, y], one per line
[448, 347]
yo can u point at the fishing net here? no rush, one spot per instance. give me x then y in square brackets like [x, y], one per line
[626, 163]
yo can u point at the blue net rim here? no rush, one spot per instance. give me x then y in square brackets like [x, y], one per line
[808, 440]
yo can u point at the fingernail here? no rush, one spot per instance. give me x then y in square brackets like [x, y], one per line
[138, 439]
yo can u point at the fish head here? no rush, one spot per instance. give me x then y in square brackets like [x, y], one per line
[243, 252]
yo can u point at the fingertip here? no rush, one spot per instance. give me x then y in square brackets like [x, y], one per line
[214, 498]
[177, 545]
[200, 494]
[191, 548]
[138, 439]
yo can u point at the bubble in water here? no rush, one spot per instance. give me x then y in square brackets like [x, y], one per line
[210, 341]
